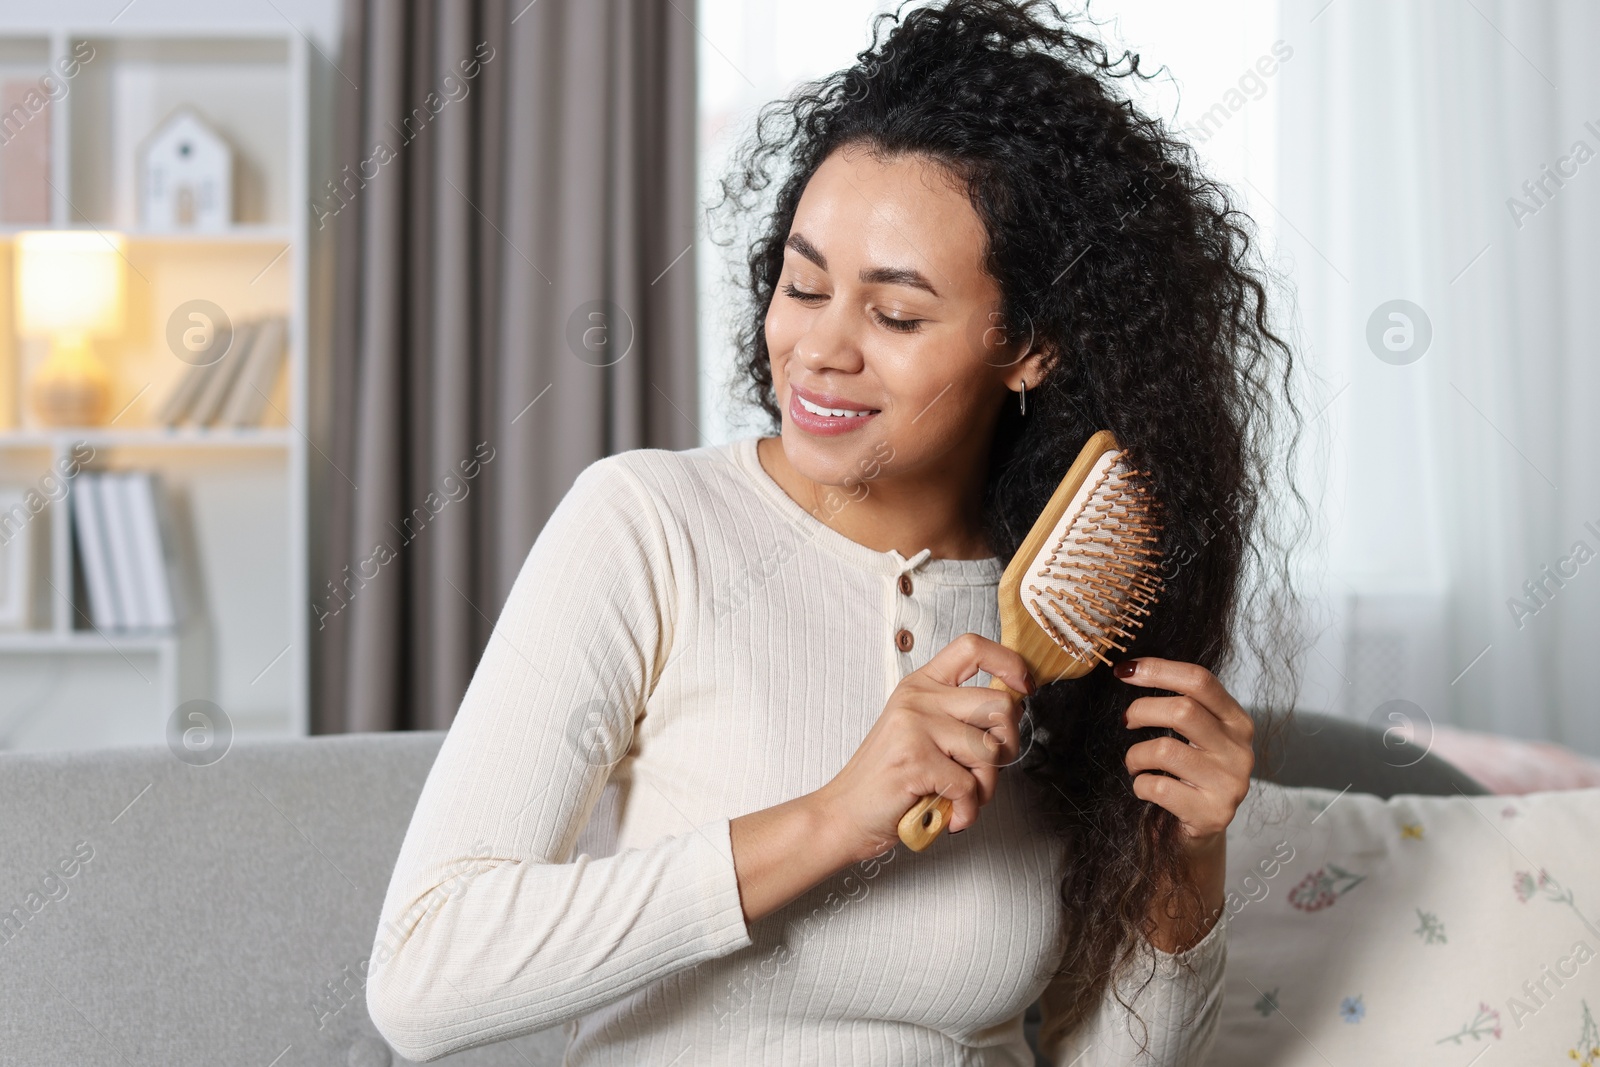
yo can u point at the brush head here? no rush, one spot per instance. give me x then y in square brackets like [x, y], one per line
[1083, 580]
[1087, 575]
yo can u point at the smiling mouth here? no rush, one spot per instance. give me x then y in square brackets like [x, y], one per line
[837, 413]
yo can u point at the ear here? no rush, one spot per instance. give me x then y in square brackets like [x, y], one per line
[1032, 368]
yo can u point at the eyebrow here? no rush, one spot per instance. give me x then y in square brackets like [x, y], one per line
[870, 275]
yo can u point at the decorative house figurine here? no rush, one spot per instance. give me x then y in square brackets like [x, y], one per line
[186, 176]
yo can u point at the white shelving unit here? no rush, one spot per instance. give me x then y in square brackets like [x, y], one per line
[236, 499]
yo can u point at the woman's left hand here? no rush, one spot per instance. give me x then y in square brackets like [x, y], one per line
[1212, 771]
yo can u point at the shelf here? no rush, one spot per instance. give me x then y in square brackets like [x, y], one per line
[233, 235]
[243, 87]
[235, 501]
[154, 437]
[78, 642]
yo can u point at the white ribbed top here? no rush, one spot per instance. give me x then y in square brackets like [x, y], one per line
[689, 644]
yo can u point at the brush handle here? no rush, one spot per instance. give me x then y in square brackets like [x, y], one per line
[929, 816]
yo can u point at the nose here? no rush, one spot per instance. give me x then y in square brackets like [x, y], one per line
[830, 340]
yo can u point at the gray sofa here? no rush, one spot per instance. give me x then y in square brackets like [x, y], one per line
[155, 912]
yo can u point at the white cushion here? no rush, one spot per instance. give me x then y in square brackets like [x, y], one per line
[1412, 931]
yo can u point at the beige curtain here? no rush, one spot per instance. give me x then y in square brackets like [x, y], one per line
[513, 198]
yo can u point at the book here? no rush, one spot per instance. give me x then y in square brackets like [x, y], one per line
[25, 159]
[218, 384]
[150, 559]
[104, 611]
[192, 383]
[248, 400]
[16, 548]
[176, 405]
[118, 527]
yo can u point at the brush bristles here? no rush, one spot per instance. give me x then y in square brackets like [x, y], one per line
[1098, 571]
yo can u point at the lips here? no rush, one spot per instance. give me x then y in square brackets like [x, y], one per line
[825, 414]
[830, 403]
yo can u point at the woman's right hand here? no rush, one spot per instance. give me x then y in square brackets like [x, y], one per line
[934, 735]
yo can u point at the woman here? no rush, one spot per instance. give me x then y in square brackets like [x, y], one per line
[770, 649]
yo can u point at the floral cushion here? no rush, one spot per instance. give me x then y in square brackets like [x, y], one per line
[1412, 931]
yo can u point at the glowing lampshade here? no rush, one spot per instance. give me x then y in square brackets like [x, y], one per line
[70, 288]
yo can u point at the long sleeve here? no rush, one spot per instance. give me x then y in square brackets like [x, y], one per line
[490, 929]
[1180, 1009]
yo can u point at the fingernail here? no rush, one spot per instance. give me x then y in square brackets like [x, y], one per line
[1125, 669]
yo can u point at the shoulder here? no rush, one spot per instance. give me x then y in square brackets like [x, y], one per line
[672, 512]
[676, 483]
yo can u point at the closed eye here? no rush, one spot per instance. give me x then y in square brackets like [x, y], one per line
[801, 295]
[897, 325]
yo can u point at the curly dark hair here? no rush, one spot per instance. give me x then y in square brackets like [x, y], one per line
[1109, 242]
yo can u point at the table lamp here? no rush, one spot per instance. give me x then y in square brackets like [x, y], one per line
[69, 289]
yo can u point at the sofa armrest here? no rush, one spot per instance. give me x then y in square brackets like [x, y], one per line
[1317, 749]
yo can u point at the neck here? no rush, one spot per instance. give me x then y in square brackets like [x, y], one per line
[934, 508]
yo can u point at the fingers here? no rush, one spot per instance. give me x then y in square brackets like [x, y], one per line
[977, 727]
[1177, 758]
[1207, 770]
[970, 731]
[983, 779]
[962, 787]
[1200, 793]
[936, 739]
[1230, 758]
[1193, 808]
[945, 739]
[1184, 714]
[1189, 680]
[1201, 812]
[970, 653]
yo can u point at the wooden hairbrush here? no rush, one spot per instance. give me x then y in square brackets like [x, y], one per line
[1081, 579]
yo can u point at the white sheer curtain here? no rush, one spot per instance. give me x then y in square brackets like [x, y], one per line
[1441, 152]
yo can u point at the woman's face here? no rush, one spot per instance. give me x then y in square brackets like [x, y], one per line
[883, 307]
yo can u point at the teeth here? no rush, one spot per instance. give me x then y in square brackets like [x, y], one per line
[838, 413]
